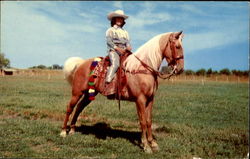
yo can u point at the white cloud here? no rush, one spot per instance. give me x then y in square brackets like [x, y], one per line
[87, 15]
[21, 24]
[118, 4]
[208, 30]
[148, 18]
[30, 38]
[192, 9]
[148, 15]
[142, 36]
[49, 32]
[198, 41]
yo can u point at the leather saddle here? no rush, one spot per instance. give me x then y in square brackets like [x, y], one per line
[117, 87]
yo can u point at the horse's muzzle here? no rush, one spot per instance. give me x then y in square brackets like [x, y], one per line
[177, 72]
[177, 69]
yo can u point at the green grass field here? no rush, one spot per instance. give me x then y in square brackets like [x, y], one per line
[189, 120]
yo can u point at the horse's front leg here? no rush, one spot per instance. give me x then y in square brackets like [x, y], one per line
[141, 111]
[153, 144]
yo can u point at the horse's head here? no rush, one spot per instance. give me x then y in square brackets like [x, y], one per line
[171, 47]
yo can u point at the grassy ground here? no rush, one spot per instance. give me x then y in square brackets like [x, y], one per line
[190, 119]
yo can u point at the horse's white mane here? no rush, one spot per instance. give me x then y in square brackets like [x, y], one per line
[149, 53]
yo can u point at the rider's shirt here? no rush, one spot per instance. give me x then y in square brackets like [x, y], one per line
[117, 37]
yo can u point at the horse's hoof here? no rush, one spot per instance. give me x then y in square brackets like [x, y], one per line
[63, 133]
[154, 146]
[148, 150]
[71, 132]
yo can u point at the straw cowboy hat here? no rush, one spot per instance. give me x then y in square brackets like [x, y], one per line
[117, 13]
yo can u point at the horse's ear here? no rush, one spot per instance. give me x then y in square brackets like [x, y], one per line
[177, 35]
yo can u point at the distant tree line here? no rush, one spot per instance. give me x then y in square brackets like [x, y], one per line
[4, 62]
[53, 67]
[209, 72]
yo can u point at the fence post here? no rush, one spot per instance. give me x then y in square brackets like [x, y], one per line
[202, 81]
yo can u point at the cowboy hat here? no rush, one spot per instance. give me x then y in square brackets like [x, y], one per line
[117, 13]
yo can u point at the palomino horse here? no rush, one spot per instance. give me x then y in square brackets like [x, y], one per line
[141, 86]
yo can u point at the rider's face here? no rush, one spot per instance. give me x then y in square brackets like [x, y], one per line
[119, 21]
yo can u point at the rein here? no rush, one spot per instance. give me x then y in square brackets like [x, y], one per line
[154, 72]
[173, 62]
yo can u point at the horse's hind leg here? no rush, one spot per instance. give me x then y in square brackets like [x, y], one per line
[74, 100]
[80, 106]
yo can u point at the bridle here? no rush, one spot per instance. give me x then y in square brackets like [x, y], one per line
[175, 57]
[173, 61]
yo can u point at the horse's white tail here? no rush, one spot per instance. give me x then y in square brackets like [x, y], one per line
[70, 66]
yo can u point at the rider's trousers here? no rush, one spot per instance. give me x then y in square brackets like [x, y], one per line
[115, 63]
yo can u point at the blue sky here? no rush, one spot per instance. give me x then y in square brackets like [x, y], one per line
[49, 32]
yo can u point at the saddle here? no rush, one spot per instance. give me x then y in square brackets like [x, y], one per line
[117, 87]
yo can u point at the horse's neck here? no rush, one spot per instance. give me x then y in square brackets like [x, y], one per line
[151, 53]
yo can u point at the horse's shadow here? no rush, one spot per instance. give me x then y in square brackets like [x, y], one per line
[102, 131]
